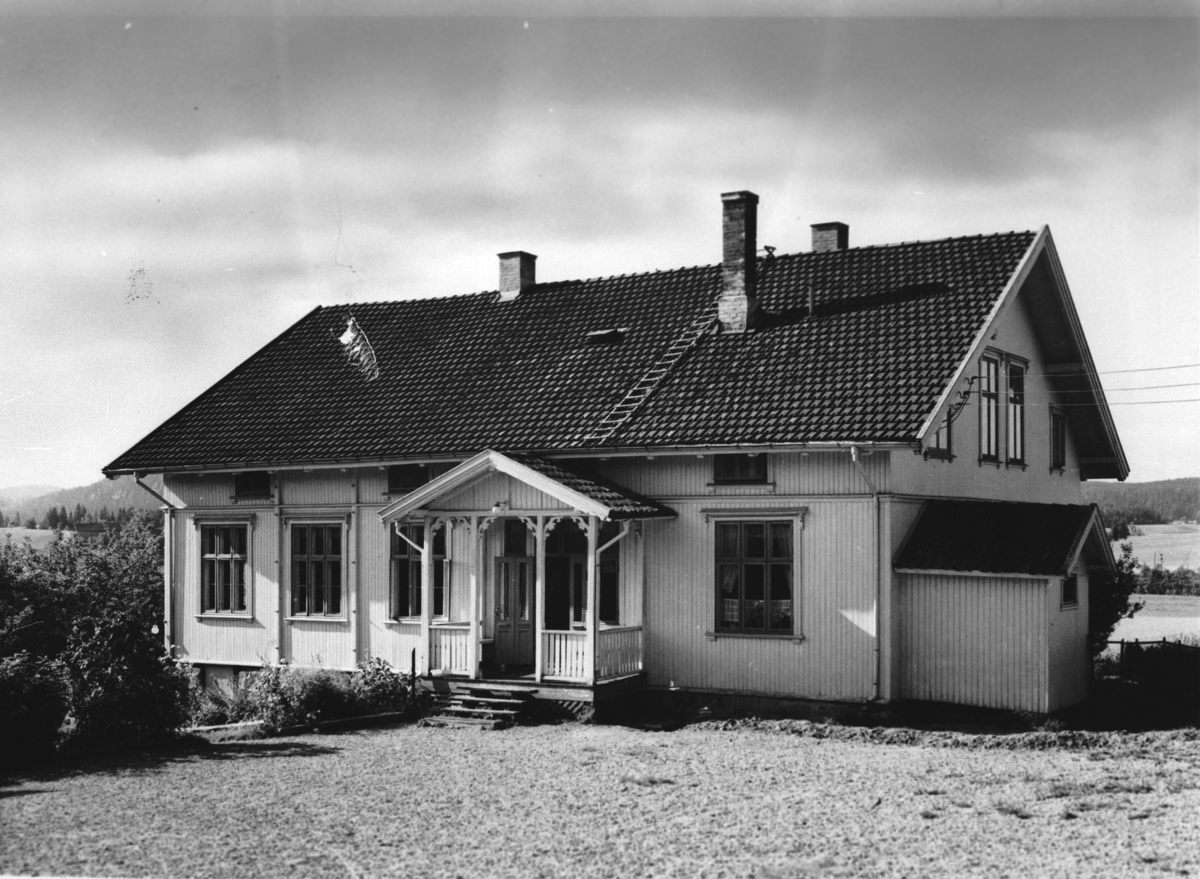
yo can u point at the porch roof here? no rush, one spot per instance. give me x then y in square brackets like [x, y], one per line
[587, 495]
[999, 537]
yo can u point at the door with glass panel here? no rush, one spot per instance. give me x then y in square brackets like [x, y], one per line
[514, 611]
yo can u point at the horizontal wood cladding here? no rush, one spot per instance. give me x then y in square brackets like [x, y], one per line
[974, 641]
[834, 590]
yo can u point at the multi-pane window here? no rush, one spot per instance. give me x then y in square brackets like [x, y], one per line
[223, 570]
[1016, 413]
[406, 572]
[1058, 439]
[940, 444]
[989, 409]
[754, 577]
[739, 469]
[316, 570]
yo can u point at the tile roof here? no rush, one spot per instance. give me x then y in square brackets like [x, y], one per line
[995, 537]
[460, 374]
[624, 503]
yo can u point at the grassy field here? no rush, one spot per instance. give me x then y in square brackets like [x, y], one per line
[1177, 544]
[763, 799]
[1163, 616]
[39, 538]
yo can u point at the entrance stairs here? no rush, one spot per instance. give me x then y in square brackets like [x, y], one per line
[481, 706]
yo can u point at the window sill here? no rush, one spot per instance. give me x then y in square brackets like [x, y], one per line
[1058, 470]
[252, 499]
[240, 617]
[938, 455]
[990, 462]
[761, 636]
[341, 620]
[740, 488]
[404, 621]
[1071, 606]
[1015, 464]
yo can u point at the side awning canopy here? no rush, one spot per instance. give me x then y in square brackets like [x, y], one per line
[1005, 538]
[584, 494]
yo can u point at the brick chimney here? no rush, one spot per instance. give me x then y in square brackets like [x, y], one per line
[738, 304]
[830, 236]
[517, 271]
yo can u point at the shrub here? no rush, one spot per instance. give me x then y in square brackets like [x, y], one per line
[1108, 600]
[377, 687]
[281, 697]
[33, 705]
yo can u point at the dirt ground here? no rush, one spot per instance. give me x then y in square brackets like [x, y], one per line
[719, 799]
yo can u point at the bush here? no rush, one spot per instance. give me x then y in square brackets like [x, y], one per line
[378, 688]
[1109, 600]
[282, 697]
[33, 705]
[91, 610]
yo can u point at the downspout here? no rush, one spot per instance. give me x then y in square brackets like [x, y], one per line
[168, 556]
[875, 685]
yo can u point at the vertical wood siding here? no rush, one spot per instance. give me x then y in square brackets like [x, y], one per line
[318, 488]
[834, 574]
[974, 641]
[498, 487]
[1070, 665]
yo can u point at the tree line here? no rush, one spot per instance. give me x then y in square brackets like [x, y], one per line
[1145, 503]
[62, 519]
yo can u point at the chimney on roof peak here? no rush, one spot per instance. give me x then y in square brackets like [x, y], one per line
[738, 304]
[830, 236]
[517, 271]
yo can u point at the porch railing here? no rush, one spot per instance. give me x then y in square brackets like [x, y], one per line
[618, 652]
[449, 647]
[564, 655]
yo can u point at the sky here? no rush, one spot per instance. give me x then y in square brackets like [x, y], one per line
[177, 188]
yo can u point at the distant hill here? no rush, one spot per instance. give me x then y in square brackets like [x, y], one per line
[16, 493]
[112, 495]
[1146, 503]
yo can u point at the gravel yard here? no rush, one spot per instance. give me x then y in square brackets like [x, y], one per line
[763, 798]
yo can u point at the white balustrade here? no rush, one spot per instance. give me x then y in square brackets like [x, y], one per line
[449, 648]
[564, 655]
[618, 652]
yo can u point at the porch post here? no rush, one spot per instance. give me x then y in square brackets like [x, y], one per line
[426, 590]
[476, 609]
[539, 595]
[591, 618]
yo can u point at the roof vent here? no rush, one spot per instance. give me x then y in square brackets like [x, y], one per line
[518, 270]
[830, 236]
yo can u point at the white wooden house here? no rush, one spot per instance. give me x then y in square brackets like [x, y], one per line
[842, 474]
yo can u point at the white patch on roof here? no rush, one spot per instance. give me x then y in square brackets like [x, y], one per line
[358, 350]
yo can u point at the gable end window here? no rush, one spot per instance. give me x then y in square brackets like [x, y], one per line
[224, 569]
[754, 577]
[1058, 440]
[251, 484]
[989, 409]
[939, 446]
[316, 556]
[739, 469]
[1016, 413]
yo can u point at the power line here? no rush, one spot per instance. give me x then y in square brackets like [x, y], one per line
[1155, 387]
[1118, 371]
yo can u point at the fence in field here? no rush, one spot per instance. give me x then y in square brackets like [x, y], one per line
[1160, 664]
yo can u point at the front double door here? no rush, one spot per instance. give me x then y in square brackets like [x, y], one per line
[514, 630]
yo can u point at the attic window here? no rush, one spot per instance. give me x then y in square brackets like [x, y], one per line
[252, 484]
[611, 336]
[403, 478]
[739, 469]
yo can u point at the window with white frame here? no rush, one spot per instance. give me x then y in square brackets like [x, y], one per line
[939, 446]
[989, 409]
[754, 585]
[1058, 439]
[316, 569]
[406, 572]
[224, 568]
[1070, 591]
[1016, 413]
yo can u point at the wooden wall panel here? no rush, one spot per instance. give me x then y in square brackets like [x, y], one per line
[320, 643]
[482, 495]
[1070, 664]
[835, 590]
[221, 639]
[965, 476]
[973, 640]
[318, 487]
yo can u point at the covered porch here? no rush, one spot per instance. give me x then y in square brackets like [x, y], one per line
[510, 567]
